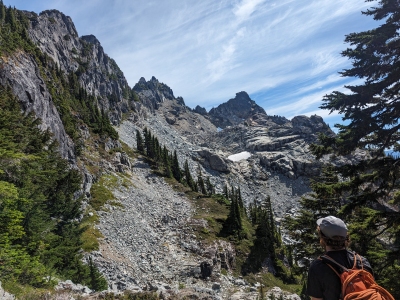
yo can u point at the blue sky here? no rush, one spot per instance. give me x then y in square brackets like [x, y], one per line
[285, 54]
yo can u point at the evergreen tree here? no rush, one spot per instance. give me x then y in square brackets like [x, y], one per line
[267, 243]
[166, 162]
[97, 281]
[156, 148]
[139, 141]
[210, 188]
[10, 18]
[253, 210]
[324, 201]
[226, 191]
[2, 12]
[233, 225]
[371, 114]
[188, 177]
[148, 141]
[176, 170]
[240, 202]
[200, 182]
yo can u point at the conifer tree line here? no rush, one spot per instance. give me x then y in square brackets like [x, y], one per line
[40, 236]
[148, 145]
[365, 193]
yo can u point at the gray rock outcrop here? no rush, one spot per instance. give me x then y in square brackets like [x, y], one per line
[200, 110]
[4, 295]
[213, 160]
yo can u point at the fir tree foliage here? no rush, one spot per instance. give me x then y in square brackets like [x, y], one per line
[39, 234]
[200, 182]
[233, 225]
[97, 281]
[325, 200]
[188, 176]
[139, 141]
[176, 170]
[268, 243]
[209, 187]
[367, 194]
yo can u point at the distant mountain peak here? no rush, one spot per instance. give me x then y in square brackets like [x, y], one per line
[154, 85]
[235, 110]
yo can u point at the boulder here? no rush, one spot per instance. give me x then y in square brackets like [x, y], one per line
[213, 160]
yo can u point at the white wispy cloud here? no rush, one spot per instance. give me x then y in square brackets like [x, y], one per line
[285, 54]
[245, 8]
[306, 104]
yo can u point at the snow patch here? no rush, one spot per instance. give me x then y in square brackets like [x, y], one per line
[239, 156]
[219, 129]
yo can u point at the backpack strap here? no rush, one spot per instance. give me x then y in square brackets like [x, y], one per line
[357, 256]
[333, 269]
[326, 258]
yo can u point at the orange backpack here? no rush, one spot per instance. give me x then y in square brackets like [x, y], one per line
[358, 284]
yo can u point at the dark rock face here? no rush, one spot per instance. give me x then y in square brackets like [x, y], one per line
[206, 269]
[152, 93]
[200, 110]
[55, 34]
[234, 111]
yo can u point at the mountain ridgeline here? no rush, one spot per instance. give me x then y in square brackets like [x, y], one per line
[129, 189]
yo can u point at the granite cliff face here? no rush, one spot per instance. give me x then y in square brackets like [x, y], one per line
[21, 73]
[55, 34]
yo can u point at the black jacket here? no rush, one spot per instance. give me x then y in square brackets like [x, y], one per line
[322, 282]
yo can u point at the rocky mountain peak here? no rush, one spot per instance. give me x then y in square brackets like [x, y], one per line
[235, 111]
[55, 34]
[152, 93]
[154, 85]
[91, 39]
[56, 17]
[200, 110]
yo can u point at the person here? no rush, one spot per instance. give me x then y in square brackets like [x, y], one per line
[322, 282]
